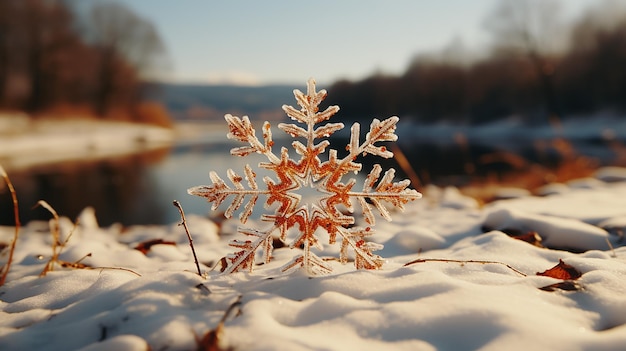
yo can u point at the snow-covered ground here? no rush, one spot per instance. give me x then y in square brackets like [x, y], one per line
[127, 300]
[25, 143]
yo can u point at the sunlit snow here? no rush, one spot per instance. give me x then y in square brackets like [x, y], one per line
[158, 301]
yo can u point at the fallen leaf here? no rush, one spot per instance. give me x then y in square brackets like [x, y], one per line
[568, 285]
[145, 246]
[562, 271]
[531, 237]
[210, 341]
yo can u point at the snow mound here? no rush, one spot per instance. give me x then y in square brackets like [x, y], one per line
[412, 241]
[556, 232]
[611, 174]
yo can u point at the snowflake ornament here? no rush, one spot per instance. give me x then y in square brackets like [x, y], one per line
[326, 177]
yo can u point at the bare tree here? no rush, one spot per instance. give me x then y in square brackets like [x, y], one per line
[49, 34]
[33, 36]
[596, 65]
[532, 28]
[129, 50]
[47, 61]
[5, 26]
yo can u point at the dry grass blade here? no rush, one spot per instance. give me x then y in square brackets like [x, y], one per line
[114, 269]
[16, 213]
[55, 230]
[184, 224]
[404, 163]
[422, 260]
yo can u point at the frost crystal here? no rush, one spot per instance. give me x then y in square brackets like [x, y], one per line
[326, 177]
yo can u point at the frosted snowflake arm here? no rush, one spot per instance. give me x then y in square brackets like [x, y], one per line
[244, 259]
[326, 130]
[219, 191]
[379, 131]
[397, 194]
[364, 258]
[326, 114]
[321, 132]
[293, 130]
[241, 129]
[313, 265]
[309, 113]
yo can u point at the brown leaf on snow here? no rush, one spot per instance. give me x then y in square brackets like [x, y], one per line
[531, 237]
[568, 285]
[145, 246]
[562, 271]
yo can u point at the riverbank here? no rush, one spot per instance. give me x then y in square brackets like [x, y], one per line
[25, 142]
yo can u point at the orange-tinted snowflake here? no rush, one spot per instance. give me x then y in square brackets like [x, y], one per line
[326, 177]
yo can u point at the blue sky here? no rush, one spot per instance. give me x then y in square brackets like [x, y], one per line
[280, 41]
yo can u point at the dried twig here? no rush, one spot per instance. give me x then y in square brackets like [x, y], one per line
[613, 254]
[115, 269]
[422, 260]
[404, 163]
[16, 213]
[55, 229]
[184, 224]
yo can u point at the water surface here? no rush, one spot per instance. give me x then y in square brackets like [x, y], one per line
[140, 188]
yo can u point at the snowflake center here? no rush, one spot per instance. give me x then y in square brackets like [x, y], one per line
[313, 192]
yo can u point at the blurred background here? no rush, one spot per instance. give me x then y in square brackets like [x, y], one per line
[119, 105]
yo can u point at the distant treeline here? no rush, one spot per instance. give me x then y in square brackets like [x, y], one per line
[212, 102]
[72, 57]
[519, 77]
